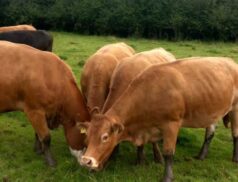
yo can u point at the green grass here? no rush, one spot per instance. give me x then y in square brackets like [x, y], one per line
[18, 162]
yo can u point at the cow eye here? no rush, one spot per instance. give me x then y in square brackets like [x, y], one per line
[105, 137]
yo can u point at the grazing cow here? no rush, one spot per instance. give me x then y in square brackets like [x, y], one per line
[44, 88]
[125, 72]
[193, 93]
[17, 27]
[39, 39]
[97, 71]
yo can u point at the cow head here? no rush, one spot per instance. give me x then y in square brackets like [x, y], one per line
[75, 139]
[102, 136]
[76, 142]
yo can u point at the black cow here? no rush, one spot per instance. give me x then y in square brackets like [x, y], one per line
[39, 39]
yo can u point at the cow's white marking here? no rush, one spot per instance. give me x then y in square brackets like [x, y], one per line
[77, 153]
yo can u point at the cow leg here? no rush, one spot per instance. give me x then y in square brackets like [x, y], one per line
[140, 155]
[158, 158]
[208, 138]
[37, 146]
[38, 121]
[170, 133]
[234, 128]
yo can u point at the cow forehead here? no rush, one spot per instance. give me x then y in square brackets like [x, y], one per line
[99, 117]
[100, 122]
[99, 128]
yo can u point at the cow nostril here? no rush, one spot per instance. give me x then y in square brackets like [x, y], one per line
[89, 162]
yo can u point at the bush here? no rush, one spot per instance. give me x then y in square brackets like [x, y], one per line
[163, 19]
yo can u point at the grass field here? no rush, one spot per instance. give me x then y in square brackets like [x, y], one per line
[18, 162]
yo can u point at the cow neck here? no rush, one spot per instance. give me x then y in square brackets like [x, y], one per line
[74, 110]
[129, 115]
[124, 110]
[97, 94]
[129, 110]
[74, 107]
[119, 112]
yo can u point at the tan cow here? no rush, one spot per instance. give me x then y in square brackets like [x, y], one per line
[42, 86]
[17, 27]
[125, 72]
[97, 71]
[193, 93]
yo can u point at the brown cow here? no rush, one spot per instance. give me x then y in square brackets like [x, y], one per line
[193, 93]
[124, 73]
[43, 86]
[97, 71]
[17, 27]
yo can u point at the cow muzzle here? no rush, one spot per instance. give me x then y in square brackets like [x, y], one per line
[89, 162]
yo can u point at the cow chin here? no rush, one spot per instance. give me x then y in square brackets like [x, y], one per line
[77, 153]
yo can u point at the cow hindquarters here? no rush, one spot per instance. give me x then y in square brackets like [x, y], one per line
[38, 121]
[170, 133]
[208, 138]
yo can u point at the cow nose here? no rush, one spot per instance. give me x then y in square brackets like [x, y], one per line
[88, 162]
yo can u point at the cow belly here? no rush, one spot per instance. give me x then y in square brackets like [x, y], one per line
[198, 123]
[209, 109]
[10, 106]
[201, 120]
[9, 101]
[142, 136]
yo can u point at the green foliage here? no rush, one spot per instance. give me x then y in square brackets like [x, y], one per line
[19, 163]
[163, 19]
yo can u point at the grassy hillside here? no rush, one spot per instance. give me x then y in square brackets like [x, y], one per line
[18, 162]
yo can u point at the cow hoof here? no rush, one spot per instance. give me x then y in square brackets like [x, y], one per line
[167, 179]
[5, 179]
[199, 157]
[159, 161]
[141, 162]
[235, 160]
[38, 151]
[51, 162]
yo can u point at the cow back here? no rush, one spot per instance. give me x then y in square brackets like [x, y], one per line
[97, 72]
[17, 27]
[130, 67]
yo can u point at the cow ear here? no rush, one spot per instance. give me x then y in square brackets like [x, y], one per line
[95, 110]
[83, 126]
[117, 127]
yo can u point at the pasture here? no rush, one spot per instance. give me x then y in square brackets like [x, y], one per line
[18, 162]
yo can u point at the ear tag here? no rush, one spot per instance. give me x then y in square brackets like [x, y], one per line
[83, 131]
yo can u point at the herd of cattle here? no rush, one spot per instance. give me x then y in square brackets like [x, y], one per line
[126, 96]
